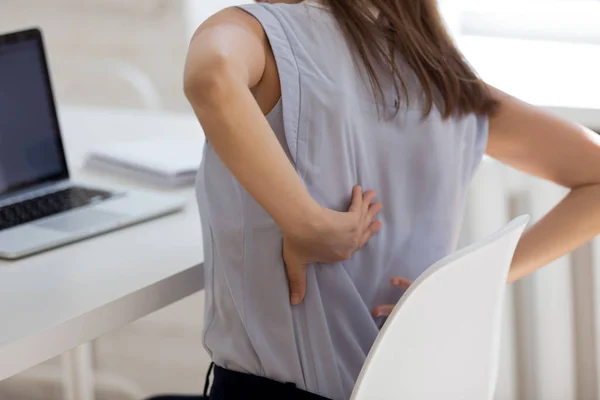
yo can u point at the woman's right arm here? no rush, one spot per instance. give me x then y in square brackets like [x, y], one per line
[226, 59]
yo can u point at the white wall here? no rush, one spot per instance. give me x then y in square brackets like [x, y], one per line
[198, 10]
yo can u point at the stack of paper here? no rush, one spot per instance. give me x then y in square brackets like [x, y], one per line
[166, 162]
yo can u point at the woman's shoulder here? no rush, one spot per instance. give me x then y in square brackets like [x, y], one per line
[233, 17]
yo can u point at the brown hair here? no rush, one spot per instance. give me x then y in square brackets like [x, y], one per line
[413, 29]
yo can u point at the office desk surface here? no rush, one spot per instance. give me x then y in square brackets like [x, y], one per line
[54, 301]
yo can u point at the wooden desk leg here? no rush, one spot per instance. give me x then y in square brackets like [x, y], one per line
[78, 373]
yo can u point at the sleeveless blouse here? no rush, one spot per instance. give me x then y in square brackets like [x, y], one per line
[336, 136]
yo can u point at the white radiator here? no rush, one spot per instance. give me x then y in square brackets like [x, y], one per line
[551, 320]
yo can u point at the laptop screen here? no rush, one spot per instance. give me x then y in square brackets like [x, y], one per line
[30, 147]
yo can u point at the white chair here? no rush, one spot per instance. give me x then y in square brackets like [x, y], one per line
[442, 339]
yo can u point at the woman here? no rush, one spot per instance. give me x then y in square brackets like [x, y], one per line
[302, 101]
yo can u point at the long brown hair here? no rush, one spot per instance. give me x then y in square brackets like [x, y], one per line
[414, 30]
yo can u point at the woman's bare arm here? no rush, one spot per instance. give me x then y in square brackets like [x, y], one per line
[546, 146]
[227, 60]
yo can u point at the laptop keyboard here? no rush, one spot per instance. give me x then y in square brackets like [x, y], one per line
[49, 204]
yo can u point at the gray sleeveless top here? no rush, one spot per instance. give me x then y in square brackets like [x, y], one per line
[335, 135]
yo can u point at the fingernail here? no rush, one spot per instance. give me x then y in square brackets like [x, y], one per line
[295, 299]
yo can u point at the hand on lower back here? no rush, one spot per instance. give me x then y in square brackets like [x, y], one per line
[335, 238]
[385, 310]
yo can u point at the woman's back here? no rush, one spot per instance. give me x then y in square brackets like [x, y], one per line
[336, 136]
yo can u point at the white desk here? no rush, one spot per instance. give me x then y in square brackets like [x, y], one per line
[57, 300]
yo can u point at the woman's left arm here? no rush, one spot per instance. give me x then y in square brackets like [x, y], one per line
[535, 142]
[543, 145]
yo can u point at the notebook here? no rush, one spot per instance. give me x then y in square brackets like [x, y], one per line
[165, 162]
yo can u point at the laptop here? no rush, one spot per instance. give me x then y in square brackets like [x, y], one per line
[40, 207]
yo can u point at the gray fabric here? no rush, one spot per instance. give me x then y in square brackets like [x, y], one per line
[329, 124]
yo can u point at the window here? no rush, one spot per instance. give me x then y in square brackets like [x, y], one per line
[545, 52]
[553, 20]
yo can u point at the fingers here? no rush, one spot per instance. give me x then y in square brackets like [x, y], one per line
[382, 311]
[296, 274]
[369, 212]
[386, 309]
[370, 209]
[362, 203]
[372, 229]
[373, 210]
[401, 283]
[357, 199]
[368, 198]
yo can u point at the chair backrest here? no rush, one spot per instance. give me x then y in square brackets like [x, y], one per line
[442, 340]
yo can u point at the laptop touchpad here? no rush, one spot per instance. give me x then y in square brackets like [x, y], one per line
[82, 220]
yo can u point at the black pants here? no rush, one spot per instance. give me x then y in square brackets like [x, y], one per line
[231, 385]
[178, 397]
